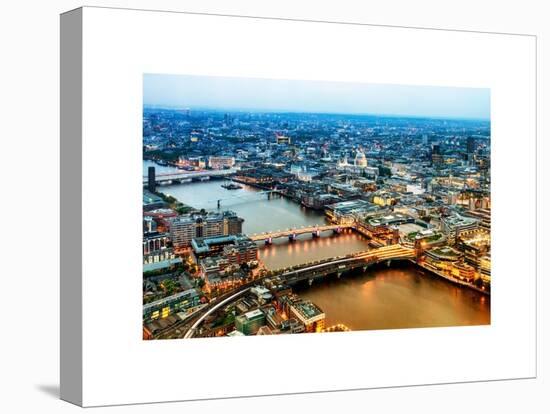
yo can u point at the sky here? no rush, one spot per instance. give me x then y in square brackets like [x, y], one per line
[274, 95]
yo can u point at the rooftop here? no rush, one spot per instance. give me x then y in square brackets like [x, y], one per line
[307, 309]
[202, 244]
[445, 252]
[150, 198]
[351, 206]
[458, 220]
[186, 294]
[395, 218]
[253, 314]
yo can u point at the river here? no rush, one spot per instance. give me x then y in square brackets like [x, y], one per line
[259, 212]
[402, 296]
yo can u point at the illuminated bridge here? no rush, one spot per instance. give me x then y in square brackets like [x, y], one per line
[292, 234]
[309, 271]
[167, 178]
[339, 265]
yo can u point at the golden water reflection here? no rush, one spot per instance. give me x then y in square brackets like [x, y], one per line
[402, 296]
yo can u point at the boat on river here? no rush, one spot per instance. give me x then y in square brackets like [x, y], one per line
[232, 186]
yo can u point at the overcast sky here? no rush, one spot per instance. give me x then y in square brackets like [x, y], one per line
[183, 91]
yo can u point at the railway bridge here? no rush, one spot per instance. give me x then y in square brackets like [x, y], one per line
[339, 265]
[185, 176]
[310, 272]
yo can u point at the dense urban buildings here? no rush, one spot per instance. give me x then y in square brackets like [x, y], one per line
[247, 213]
[185, 228]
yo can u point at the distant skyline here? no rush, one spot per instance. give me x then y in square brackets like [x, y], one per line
[274, 95]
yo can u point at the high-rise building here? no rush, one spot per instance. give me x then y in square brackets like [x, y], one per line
[425, 139]
[470, 150]
[151, 180]
[437, 158]
[470, 145]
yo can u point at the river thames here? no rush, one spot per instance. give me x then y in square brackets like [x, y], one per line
[401, 296]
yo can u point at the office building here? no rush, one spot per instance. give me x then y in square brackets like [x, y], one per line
[157, 252]
[485, 269]
[221, 162]
[237, 249]
[242, 251]
[470, 145]
[346, 212]
[212, 268]
[187, 227]
[309, 315]
[160, 259]
[155, 241]
[475, 244]
[160, 217]
[437, 157]
[250, 322]
[232, 224]
[454, 225]
[179, 302]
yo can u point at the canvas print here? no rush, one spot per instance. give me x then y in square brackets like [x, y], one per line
[281, 207]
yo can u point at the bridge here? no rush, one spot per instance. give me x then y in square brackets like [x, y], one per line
[244, 197]
[309, 271]
[292, 234]
[339, 265]
[168, 178]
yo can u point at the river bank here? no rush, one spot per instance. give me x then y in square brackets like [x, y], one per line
[434, 272]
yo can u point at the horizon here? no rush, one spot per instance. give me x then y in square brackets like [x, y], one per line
[211, 93]
[296, 112]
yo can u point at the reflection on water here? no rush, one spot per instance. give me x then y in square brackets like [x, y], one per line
[307, 249]
[396, 297]
[380, 298]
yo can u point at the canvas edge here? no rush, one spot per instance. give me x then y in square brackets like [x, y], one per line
[71, 388]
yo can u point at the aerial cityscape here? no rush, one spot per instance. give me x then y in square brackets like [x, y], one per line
[281, 207]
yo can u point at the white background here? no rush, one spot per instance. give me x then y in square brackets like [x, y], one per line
[114, 63]
[30, 218]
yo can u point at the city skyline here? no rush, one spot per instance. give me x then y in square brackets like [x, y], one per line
[338, 98]
[281, 222]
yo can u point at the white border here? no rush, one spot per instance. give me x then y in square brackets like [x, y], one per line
[120, 45]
